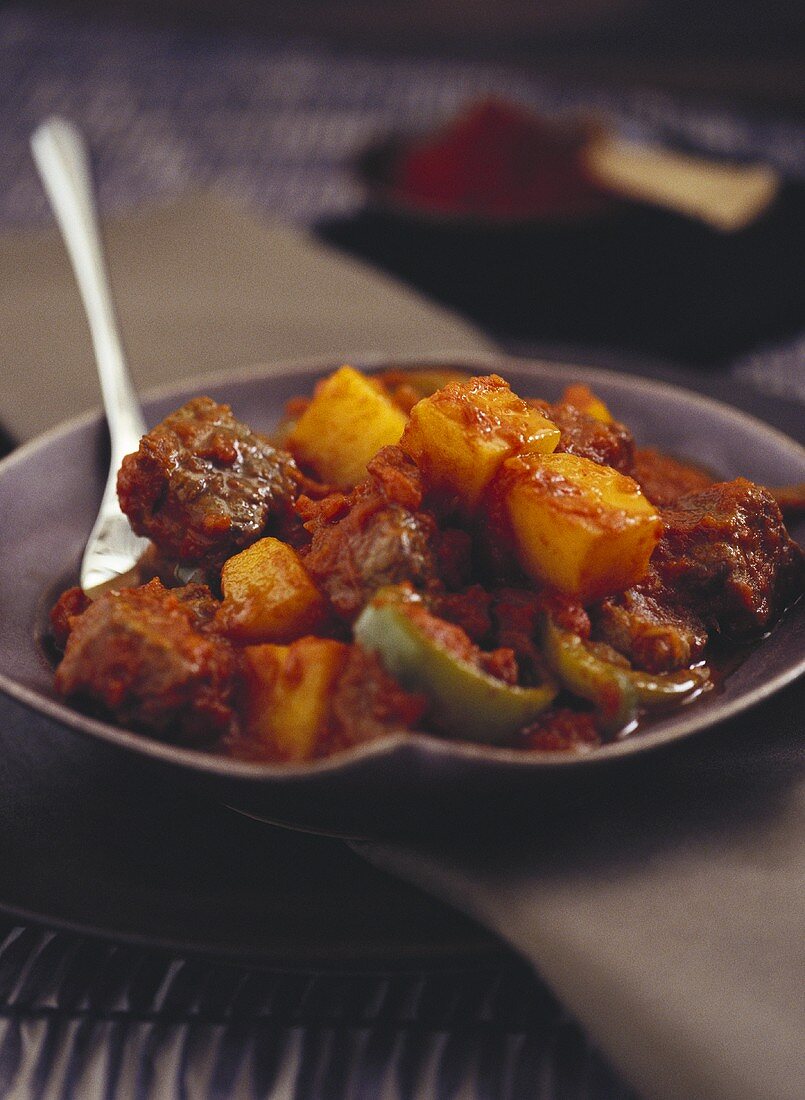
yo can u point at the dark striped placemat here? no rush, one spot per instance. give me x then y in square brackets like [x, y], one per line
[88, 1019]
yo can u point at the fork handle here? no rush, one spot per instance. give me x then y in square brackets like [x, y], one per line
[63, 161]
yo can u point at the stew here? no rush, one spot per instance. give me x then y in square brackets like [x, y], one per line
[419, 551]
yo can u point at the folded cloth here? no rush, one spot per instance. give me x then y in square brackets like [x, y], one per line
[200, 287]
[666, 915]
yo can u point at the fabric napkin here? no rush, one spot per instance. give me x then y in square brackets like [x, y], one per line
[667, 916]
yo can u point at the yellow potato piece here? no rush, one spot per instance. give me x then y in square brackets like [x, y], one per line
[268, 595]
[583, 398]
[349, 419]
[287, 693]
[582, 528]
[460, 436]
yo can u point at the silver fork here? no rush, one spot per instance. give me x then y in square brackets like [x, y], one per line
[61, 157]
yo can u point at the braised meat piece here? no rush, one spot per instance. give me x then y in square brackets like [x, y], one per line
[517, 614]
[203, 486]
[664, 479]
[608, 444]
[648, 625]
[726, 553]
[64, 612]
[200, 602]
[368, 703]
[469, 609]
[561, 730]
[376, 535]
[141, 657]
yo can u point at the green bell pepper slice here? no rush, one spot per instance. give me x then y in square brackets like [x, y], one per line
[617, 692]
[466, 702]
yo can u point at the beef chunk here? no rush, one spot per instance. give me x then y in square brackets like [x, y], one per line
[374, 536]
[203, 486]
[64, 613]
[201, 603]
[368, 703]
[609, 444]
[561, 730]
[142, 657]
[726, 554]
[469, 609]
[664, 479]
[648, 625]
[517, 614]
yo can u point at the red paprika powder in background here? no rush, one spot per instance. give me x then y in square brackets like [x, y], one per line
[498, 161]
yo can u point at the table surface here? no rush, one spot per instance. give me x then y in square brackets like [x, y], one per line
[275, 124]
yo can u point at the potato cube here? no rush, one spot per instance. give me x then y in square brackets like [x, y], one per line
[583, 528]
[287, 694]
[583, 398]
[461, 435]
[349, 419]
[268, 595]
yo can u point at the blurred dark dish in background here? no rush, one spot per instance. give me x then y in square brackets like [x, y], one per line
[536, 227]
